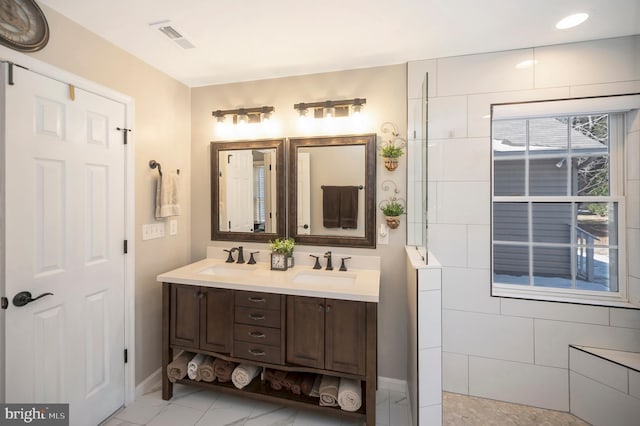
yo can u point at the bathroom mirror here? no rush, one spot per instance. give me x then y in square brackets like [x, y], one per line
[332, 190]
[247, 196]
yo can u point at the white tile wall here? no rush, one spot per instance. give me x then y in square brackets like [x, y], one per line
[448, 243]
[455, 372]
[478, 246]
[625, 318]
[601, 405]
[633, 251]
[556, 311]
[598, 369]
[432, 188]
[430, 372]
[459, 159]
[491, 336]
[429, 279]
[519, 383]
[553, 337]
[480, 105]
[633, 155]
[431, 415]
[414, 119]
[463, 202]
[587, 63]
[633, 204]
[415, 77]
[429, 319]
[605, 89]
[448, 117]
[634, 384]
[469, 290]
[491, 72]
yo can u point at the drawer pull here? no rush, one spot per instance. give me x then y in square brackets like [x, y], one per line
[257, 299]
[256, 352]
[257, 334]
[256, 317]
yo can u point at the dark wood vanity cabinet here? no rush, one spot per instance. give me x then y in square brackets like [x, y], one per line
[329, 334]
[290, 333]
[202, 318]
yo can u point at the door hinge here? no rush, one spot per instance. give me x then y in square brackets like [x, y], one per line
[229, 225]
[126, 246]
[269, 166]
[126, 356]
[4, 302]
[10, 74]
[125, 131]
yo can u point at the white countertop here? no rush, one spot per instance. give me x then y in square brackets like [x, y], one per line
[355, 284]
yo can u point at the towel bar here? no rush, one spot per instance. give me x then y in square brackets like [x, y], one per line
[154, 164]
[359, 187]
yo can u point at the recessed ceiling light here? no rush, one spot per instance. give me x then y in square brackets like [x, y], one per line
[572, 21]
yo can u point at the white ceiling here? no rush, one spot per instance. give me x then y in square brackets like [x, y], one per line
[240, 40]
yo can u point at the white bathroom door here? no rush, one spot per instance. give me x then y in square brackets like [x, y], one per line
[64, 232]
[304, 194]
[240, 190]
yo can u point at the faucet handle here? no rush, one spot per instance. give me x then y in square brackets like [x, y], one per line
[230, 257]
[252, 261]
[317, 264]
[342, 265]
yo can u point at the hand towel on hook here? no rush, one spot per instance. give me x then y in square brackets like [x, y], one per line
[167, 195]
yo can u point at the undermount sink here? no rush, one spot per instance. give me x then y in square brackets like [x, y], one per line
[228, 270]
[324, 277]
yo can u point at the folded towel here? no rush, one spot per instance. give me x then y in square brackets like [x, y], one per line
[315, 390]
[276, 378]
[243, 375]
[292, 382]
[167, 196]
[329, 391]
[193, 370]
[349, 207]
[177, 369]
[223, 369]
[350, 394]
[307, 382]
[340, 207]
[206, 369]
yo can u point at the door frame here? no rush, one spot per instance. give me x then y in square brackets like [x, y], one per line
[50, 71]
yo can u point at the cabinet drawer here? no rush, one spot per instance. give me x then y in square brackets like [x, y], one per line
[256, 334]
[255, 316]
[256, 299]
[256, 352]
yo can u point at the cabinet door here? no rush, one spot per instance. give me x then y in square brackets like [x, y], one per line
[305, 331]
[216, 320]
[185, 318]
[345, 336]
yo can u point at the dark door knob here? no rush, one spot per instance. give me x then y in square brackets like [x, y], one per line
[24, 297]
[306, 226]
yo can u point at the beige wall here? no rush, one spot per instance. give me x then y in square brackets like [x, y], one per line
[161, 131]
[385, 91]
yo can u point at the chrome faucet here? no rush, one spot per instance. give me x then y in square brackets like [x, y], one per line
[327, 256]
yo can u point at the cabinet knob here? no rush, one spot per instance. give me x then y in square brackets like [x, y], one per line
[257, 334]
[328, 308]
[256, 317]
[257, 299]
[200, 295]
[256, 352]
[320, 307]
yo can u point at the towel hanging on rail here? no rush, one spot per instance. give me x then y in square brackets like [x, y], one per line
[167, 201]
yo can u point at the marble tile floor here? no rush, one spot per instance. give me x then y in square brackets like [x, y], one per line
[193, 406]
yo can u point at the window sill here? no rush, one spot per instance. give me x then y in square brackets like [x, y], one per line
[561, 296]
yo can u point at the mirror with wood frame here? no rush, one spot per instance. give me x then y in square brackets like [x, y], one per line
[247, 190]
[332, 190]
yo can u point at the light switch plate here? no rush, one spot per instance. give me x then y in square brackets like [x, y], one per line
[152, 230]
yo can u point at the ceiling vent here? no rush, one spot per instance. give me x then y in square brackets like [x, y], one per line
[172, 34]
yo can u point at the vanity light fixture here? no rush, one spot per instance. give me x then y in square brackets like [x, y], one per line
[572, 21]
[327, 109]
[245, 115]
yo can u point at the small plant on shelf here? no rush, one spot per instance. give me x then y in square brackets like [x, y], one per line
[392, 209]
[393, 147]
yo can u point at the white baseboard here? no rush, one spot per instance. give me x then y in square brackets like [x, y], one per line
[150, 384]
[395, 385]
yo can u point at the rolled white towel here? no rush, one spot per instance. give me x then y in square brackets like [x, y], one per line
[329, 391]
[193, 370]
[243, 374]
[350, 394]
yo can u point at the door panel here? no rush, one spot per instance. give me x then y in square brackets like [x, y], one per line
[64, 229]
[217, 320]
[185, 317]
[345, 336]
[305, 331]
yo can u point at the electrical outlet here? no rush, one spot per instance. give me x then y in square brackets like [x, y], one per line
[173, 227]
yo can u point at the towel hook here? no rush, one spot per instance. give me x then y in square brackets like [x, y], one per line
[153, 164]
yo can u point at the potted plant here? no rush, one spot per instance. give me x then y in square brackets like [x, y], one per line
[282, 253]
[392, 209]
[392, 148]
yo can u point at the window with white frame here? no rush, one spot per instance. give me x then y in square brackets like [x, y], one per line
[558, 205]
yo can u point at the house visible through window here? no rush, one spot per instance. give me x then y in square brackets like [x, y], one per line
[557, 206]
